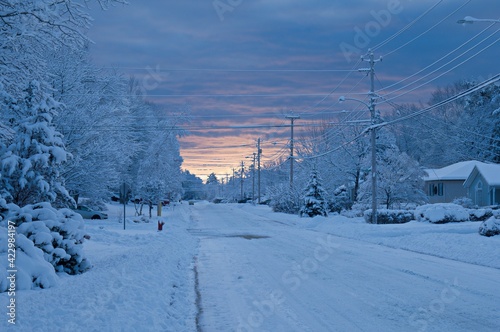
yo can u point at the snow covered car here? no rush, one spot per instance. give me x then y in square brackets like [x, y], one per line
[88, 213]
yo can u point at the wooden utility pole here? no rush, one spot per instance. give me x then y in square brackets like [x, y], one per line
[241, 178]
[259, 152]
[292, 118]
[374, 120]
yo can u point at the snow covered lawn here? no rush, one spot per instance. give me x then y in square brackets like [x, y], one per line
[141, 280]
[237, 267]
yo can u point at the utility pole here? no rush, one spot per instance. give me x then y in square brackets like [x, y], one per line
[241, 178]
[259, 151]
[234, 179]
[253, 179]
[374, 120]
[292, 118]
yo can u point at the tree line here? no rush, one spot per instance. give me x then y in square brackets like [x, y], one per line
[467, 129]
[69, 128]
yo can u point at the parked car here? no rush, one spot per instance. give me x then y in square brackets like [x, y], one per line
[88, 213]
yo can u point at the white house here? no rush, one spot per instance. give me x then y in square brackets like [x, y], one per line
[483, 184]
[443, 185]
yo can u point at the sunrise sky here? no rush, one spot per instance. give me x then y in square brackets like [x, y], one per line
[241, 66]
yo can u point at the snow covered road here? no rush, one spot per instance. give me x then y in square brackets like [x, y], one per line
[238, 267]
[260, 274]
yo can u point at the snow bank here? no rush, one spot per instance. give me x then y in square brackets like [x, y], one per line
[490, 227]
[386, 216]
[441, 213]
[141, 280]
[47, 241]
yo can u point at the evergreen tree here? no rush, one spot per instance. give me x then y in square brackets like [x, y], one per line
[212, 179]
[340, 200]
[31, 163]
[315, 202]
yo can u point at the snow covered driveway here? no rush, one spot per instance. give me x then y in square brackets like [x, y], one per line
[257, 272]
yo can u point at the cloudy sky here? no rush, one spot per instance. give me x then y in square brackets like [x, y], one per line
[242, 66]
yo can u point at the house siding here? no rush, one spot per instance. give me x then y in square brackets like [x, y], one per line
[479, 191]
[451, 189]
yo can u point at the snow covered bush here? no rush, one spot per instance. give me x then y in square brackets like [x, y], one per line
[340, 200]
[32, 268]
[464, 201]
[48, 241]
[480, 214]
[490, 227]
[283, 199]
[441, 213]
[385, 216]
[314, 203]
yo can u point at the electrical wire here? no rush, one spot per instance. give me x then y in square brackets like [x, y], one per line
[409, 25]
[441, 74]
[429, 29]
[460, 95]
[439, 60]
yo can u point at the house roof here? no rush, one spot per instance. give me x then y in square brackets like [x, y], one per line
[458, 171]
[490, 173]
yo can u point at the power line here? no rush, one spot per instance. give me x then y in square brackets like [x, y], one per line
[409, 25]
[443, 73]
[462, 94]
[291, 70]
[438, 60]
[429, 29]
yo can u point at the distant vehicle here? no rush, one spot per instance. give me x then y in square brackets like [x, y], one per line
[88, 213]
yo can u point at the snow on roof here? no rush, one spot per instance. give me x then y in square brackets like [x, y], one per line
[458, 171]
[490, 172]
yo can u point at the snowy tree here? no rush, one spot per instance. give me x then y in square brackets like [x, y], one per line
[399, 177]
[96, 123]
[29, 28]
[340, 199]
[31, 163]
[284, 199]
[212, 186]
[158, 174]
[482, 114]
[192, 186]
[343, 164]
[462, 130]
[38, 41]
[212, 179]
[315, 198]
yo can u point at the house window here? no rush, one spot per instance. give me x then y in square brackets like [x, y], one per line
[479, 193]
[436, 189]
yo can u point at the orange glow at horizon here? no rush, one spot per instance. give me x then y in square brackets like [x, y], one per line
[220, 155]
